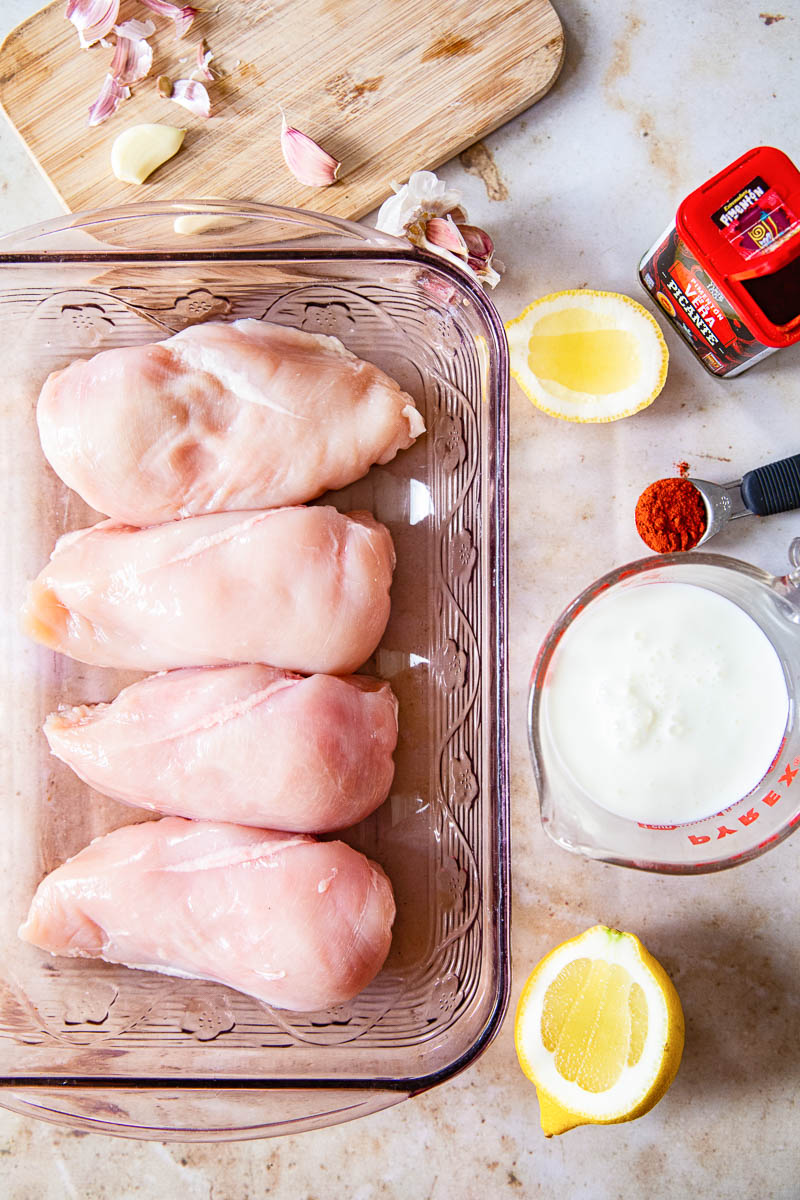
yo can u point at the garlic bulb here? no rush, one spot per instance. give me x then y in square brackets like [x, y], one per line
[429, 213]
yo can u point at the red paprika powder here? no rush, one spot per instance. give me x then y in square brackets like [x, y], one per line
[671, 515]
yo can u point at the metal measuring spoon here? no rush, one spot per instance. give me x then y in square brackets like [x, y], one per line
[771, 489]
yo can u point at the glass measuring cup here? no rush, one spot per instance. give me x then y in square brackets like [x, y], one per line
[758, 820]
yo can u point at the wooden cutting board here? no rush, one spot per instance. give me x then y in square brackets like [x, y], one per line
[387, 86]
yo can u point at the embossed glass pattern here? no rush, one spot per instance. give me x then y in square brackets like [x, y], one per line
[144, 1055]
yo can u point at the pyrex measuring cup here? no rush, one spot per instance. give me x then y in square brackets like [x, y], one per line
[758, 820]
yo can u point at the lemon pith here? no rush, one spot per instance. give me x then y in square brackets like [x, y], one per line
[587, 356]
[599, 1030]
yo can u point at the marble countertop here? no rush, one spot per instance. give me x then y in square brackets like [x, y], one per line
[652, 100]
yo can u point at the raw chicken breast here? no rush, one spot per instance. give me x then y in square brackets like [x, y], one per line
[220, 417]
[302, 588]
[296, 923]
[247, 743]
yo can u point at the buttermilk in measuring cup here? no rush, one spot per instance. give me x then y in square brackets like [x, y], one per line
[665, 702]
[727, 272]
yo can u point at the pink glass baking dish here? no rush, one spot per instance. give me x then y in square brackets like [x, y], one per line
[142, 1055]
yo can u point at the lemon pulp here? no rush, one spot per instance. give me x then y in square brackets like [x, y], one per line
[594, 1022]
[576, 348]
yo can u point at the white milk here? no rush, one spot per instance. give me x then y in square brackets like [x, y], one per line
[665, 702]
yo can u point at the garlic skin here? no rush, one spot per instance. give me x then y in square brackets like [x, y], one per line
[183, 16]
[138, 151]
[204, 68]
[93, 19]
[112, 93]
[429, 214]
[192, 95]
[137, 31]
[132, 59]
[424, 196]
[306, 159]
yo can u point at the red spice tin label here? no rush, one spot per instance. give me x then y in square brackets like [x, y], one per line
[698, 309]
[727, 273]
[754, 218]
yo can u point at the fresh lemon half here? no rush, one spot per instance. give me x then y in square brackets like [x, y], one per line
[599, 1029]
[588, 356]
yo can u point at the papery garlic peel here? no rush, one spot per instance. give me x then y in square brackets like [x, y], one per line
[192, 95]
[112, 93]
[182, 15]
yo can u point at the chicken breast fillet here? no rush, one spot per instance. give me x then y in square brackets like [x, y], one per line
[296, 923]
[306, 589]
[221, 416]
[249, 744]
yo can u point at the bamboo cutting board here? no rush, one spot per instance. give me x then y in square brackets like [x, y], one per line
[387, 86]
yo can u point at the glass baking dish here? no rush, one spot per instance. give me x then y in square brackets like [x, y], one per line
[138, 1054]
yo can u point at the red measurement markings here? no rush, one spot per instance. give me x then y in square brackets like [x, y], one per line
[771, 798]
[787, 776]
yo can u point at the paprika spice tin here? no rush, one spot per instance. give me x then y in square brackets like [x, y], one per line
[727, 272]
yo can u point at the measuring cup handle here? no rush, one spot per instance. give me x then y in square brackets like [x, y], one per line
[774, 488]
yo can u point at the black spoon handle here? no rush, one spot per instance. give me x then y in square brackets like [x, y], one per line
[774, 488]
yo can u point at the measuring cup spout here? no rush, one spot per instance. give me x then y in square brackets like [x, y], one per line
[789, 585]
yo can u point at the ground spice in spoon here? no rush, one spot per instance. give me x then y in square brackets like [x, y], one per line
[671, 515]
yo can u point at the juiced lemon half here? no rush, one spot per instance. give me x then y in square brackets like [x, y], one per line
[588, 356]
[599, 1030]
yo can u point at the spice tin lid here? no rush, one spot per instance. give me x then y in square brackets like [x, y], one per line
[743, 227]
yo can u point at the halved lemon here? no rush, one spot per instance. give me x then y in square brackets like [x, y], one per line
[588, 356]
[599, 1029]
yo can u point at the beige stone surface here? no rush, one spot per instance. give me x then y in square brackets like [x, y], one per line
[653, 99]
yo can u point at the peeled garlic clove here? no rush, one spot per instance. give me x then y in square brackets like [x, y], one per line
[192, 223]
[137, 151]
[306, 159]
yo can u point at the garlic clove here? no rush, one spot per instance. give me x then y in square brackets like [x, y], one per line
[193, 223]
[306, 159]
[138, 151]
[443, 233]
[480, 246]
